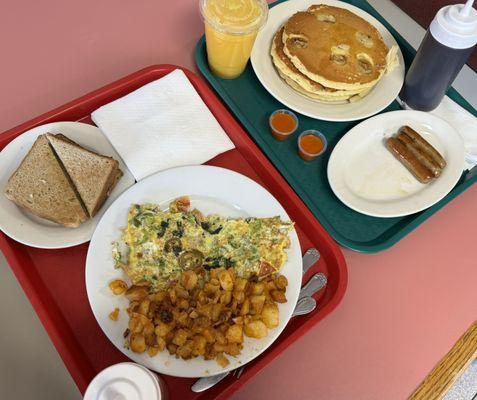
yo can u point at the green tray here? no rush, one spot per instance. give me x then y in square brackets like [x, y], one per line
[252, 104]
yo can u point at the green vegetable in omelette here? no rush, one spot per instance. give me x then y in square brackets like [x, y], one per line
[163, 244]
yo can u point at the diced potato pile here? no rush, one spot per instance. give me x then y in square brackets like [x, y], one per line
[206, 313]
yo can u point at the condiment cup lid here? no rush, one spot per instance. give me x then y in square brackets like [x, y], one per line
[248, 15]
[314, 133]
[124, 381]
[283, 111]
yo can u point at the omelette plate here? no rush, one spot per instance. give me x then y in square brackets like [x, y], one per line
[383, 94]
[211, 190]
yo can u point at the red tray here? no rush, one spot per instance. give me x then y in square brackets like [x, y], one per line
[54, 280]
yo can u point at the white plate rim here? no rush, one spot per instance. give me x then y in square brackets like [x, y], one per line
[385, 91]
[35, 232]
[292, 267]
[407, 205]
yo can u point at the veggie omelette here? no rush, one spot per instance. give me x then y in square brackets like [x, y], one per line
[160, 245]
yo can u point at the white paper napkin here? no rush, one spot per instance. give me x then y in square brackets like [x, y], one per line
[161, 125]
[465, 123]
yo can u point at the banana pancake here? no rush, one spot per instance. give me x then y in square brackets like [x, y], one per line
[336, 48]
[300, 82]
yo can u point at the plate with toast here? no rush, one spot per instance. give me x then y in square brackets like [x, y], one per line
[56, 182]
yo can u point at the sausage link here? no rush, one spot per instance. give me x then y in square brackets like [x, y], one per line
[424, 145]
[423, 157]
[401, 152]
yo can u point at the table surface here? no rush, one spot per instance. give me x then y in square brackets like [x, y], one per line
[404, 308]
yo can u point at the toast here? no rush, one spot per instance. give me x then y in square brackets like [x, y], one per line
[93, 175]
[41, 186]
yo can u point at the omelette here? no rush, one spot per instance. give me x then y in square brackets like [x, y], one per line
[158, 245]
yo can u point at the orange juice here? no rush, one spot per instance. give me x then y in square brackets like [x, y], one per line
[231, 27]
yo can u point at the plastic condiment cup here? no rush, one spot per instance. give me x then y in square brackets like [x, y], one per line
[126, 381]
[307, 156]
[280, 134]
[231, 27]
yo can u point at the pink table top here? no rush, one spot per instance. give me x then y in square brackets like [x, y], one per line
[404, 307]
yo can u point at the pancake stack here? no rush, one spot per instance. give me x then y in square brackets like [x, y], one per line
[331, 55]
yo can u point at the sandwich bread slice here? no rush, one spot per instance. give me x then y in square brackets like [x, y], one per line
[41, 186]
[93, 175]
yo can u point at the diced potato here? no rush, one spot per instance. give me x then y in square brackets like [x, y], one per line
[189, 280]
[181, 292]
[183, 304]
[234, 334]
[137, 343]
[150, 339]
[233, 349]
[113, 315]
[270, 285]
[220, 337]
[218, 348]
[270, 315]
[256, 329]
[281, 282]
[200, 344]
[159, 296]
[245, 307]
[239, 296]
[152, 351]
[278, 296]
[172, 348]
[148, 328]
[211, 289]
[180, 337]
[216, 310]
[240, 284]
[137, 293]
[185, 351]
[209, 335]
[144, 306]
[118, 286]
[163, 329]
[257, 303]
[222, 360]
[238, 320]
[226, 281]
[161, 343]
[137, 322]
[226, 297]
[257, 288]
[214, 273]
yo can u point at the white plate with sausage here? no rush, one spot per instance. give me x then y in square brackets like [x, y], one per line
[366, 176]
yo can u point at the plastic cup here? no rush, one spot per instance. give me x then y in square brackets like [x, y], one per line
[126, 381]
[307, 155]
[231, 27]
[277, 132]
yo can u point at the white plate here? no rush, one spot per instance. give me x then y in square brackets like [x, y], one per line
[28, 229]
[212, 190]
[367, 178]
[380, 97]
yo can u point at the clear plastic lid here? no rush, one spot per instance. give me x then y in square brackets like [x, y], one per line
[455, 26]
[124, 381]
[235, 16]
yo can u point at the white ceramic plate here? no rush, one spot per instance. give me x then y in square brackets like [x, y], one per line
[28, 229]
[380, 97]
[212, 190]
[367, 178]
